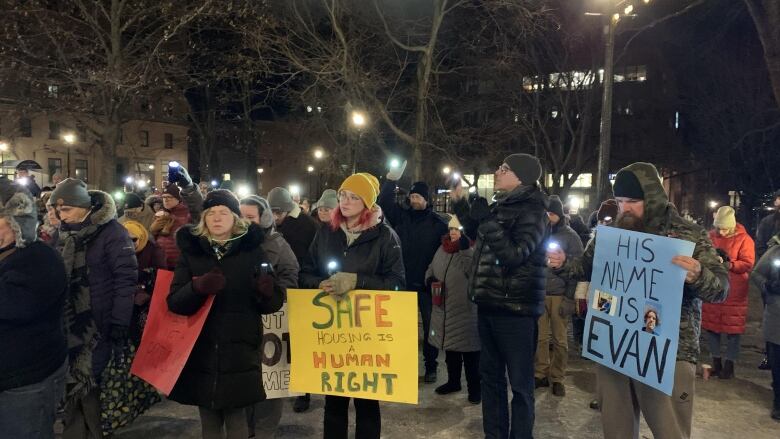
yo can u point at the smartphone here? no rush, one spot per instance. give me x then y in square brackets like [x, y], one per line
[173, 171]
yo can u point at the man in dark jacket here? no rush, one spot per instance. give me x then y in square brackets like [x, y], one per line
[101, 264]
[558, 306]
[32, 344]
[768, 231]
[644, 206]
[507, 284]
[420, 230]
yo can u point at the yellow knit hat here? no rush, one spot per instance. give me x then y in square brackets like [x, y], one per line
[725, 218]
[364, 185]
[139, 233]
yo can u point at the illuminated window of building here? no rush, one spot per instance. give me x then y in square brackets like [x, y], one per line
[584, 181]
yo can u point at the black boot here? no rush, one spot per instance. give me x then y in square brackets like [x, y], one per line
[454, 361]
[302, 403]
[717, 366]
[728, 370]
[471, 364]
[541, 382]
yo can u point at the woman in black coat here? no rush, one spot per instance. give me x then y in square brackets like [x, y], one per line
[356, 251]
[222, 256]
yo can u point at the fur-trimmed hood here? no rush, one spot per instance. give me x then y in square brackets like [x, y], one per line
[103, 211]
[194, 245]
[17, 206]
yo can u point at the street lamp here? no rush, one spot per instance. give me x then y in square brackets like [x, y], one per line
[260, 170]
[319, 153]
[713, 204]
[359, 121]
[446, 170]
[69, 139]
[310, 169]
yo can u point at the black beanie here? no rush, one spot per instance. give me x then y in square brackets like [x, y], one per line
[628, 186]
[526, 167]
[132, 201]
[222, 197]
[554, 205]
[420, 188]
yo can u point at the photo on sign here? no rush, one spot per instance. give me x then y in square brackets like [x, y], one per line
[652, 318]
[605, 302]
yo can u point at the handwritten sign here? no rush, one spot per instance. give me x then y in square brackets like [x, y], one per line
[276, 355]
[635, 296]
[364, 346]
[168, 338]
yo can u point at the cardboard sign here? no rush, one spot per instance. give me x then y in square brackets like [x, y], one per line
[276, 355]
[635, 296]
[364, 346]
[168, 338]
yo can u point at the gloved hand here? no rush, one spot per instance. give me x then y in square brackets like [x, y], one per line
[396, 173]
[119, 335]
[464, 242]
[180, 177]
[210, 283]
[264, 286]
[342, 283]
[567, 307]
[479, 209]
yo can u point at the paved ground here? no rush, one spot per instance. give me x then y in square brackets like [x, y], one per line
[737, 408]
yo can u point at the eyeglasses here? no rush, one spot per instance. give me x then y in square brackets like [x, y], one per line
[503, 169]
[168, 197]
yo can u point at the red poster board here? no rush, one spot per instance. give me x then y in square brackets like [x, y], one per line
[168, 338]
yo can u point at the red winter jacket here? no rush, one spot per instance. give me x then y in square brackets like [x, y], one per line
[729, 317]
[166, 239]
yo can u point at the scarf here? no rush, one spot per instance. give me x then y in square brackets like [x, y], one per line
[80, 328]
[449, 246]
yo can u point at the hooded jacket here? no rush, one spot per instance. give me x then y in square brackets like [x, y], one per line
[768, 228]
[375, 256]
[765, 280]
[298, 229]
[729, 317]
[508, 269]
[569, 242]
[32, 296]
[420, 232]
[112, 273]
[224, 369]
[661, 218]
[186, 212]
[282, 258]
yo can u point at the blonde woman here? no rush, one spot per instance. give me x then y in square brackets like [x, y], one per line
[222, 256]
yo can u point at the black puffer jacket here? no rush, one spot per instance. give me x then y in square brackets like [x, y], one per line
[508, 269]
[223, 370]
[375, 256]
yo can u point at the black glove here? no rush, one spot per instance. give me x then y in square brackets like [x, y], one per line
[480, 209]
[119, 335]
[180, 177]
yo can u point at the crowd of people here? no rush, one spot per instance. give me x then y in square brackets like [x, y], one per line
[497, 282]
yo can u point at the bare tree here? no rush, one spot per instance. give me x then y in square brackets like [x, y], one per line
[766, 16]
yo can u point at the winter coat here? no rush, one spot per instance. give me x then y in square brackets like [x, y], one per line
[570, 243]
[298, 229]
[375, 256]
[767, 229]
[454, 323]
[508, 270]
[580, 228]
[32, 297]
[765, 279]
[113, 274]
[661, 218]
[420, 232]
[729, 317]
[186, 212]
[282, 259]
[223, 371]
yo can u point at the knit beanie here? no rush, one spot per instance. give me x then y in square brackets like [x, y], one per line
[364, 185]
[71, 192]
[627, 185]
[725, 218]
[17, 207]
[608, 209]
[420, 188]
[454, 223]
[526, 167]
[222, 197]
[555, 205]
[132, 201]
[139, 232]
[263, 208]
[280, 199]
[329, 199]
[173, 190]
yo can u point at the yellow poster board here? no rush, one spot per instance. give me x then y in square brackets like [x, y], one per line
[364, 346]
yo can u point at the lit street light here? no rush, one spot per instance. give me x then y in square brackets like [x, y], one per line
[446, 170]
[69, 139]
[358, 119]
[319, 153]
[713, 204]
[260, 170]
[310, 169]
[3, 149]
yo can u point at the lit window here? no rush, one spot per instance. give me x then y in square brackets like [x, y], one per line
[583, 181]
[53, 91]
[533, 83]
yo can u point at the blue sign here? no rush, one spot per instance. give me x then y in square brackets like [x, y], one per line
[634, 301]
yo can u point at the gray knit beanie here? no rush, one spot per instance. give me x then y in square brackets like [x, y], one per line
[329, 199]
[280, 199]
[71, 192]
[263, 208]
